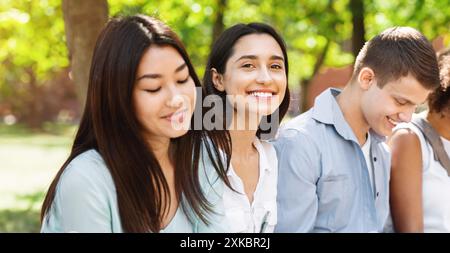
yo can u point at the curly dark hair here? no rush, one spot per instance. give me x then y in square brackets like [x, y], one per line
[439, 100]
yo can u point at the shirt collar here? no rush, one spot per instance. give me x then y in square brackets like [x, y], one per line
[264, 164]
[376, 138]
[327, 111]
[263, 159]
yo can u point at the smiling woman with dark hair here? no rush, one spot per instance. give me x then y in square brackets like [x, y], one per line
[134, 162]
[247, 71]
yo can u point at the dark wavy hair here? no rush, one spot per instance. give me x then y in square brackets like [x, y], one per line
[439, 99]
[110, 126]
[223, 49]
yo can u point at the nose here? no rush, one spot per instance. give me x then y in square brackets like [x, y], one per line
[264, 76]
[406, 116]
[175, 99]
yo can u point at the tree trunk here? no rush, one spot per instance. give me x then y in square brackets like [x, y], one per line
[83, 21]
[358, 40]
[218, 26]
[33, 116]
[304, 84]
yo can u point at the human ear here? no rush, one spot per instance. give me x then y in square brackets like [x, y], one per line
[217, 79]
[366, 78]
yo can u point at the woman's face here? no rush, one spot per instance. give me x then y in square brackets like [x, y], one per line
[164, 93]
[255, 75]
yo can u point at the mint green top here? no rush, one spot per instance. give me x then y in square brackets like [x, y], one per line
[86, 201]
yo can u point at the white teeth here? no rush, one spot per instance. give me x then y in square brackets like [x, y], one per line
[261, 94]
[176, 114]
[392, 121]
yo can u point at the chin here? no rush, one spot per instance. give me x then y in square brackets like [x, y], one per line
[176, 133]
[262, 111]
[383, 131]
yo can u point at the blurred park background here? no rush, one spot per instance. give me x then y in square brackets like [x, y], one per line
[46, 45]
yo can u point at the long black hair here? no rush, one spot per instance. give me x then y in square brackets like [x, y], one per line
[110, 126]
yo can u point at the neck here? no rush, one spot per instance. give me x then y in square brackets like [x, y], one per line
[441, 123]
[349, 102]
[242, 141]
[242, 137]
[160, 148]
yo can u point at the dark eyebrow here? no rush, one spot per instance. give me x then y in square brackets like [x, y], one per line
[251, 57]
[180, 68]
[277, 57]
[254, 57]
[151, 76]
[156, 76]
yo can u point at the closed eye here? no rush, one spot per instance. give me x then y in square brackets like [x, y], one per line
[153, 90]
[183, 81]
[400, 102]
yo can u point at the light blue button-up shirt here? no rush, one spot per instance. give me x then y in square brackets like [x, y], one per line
[323, 181]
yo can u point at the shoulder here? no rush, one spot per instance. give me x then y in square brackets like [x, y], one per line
[409, 131]
[296, 140]
[301, 129]
[209, 162]
[404, 137]
[302, 121]
[90, 158]
[86, 172]
[85, 198]
[298, 150]
[410, 128]
[404, 145]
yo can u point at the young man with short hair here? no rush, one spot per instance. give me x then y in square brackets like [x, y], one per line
[334, 166]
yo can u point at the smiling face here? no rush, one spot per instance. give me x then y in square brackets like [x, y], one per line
[164, 94]
[255, 76]
[383, 108]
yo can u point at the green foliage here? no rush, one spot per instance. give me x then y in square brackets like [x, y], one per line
[32, 52]
[19, 221]
[32, 41]
[191, 20]
[431, 17]
[32, 32]
[305, 25]
[23, 219]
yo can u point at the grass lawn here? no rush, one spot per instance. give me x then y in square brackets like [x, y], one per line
[28, 162]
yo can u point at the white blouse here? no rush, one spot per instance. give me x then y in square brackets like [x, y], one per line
[261, 215]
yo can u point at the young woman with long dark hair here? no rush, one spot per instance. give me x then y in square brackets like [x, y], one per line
[134, 164]
[247, 71]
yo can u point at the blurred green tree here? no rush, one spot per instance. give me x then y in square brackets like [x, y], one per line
[32, 50]
[318, 33]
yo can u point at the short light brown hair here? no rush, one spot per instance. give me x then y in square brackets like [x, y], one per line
[397, 52]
